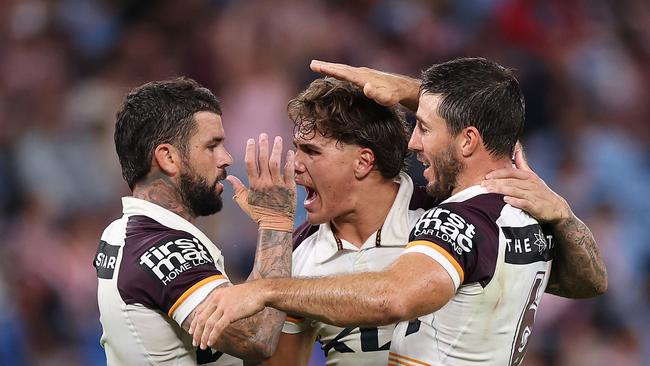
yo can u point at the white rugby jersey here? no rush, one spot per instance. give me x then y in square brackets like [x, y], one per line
[318, 254]
[153, 269]
[499, 259]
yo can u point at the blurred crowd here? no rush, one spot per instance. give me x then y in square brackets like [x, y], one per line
[65, 66]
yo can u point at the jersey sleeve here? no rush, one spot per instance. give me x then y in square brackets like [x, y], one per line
[172, 272]
[460, 239]
[295, 324]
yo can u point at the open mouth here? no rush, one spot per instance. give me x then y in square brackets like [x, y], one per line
[424, 161]
[312, 196]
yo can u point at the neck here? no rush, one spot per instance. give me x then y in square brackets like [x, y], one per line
[158, 188]
[475, 172]
[371, 207]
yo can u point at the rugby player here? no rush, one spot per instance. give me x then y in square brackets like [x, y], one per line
[476, 261]
[153, 265]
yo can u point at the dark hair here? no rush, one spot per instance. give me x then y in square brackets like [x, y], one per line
[156, 113]
[480, 93]
[339, 110]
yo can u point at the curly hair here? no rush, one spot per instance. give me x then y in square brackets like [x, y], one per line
[339, 110]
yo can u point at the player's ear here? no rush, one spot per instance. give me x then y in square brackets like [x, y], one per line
[469, 139]
[167, 158]
[364, 163]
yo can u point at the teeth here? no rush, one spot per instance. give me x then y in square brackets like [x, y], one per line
[311, 196]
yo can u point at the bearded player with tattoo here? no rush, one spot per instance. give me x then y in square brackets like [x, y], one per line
[153, 265]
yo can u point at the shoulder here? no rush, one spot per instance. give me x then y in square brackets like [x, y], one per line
[482, 210]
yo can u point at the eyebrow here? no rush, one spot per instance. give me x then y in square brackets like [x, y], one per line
[214, 140]
[422, 122]
[306, 145]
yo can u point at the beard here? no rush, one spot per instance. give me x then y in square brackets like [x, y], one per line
[199, 196]
[446, 167]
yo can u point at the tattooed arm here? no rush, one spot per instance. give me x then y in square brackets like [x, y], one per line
[271, 202]
[255, 338]
[578, 270]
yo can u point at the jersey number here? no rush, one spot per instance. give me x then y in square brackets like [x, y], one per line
[369, 341]
[526, 320]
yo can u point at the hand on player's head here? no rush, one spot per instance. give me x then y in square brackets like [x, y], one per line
[379, 86]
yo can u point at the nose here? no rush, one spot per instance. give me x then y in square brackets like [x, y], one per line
[415, 142]
[226, 159]
[298, 165]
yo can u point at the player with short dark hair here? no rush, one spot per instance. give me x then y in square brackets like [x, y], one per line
[466, 289]
[153, 265]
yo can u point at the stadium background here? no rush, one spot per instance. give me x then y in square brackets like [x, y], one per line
[65, 65]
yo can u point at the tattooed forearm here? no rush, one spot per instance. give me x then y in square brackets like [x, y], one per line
[578, 270]
[159, 189]
[256, 337]
[273, 255]
[272, 259]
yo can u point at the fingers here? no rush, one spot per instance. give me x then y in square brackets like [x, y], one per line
[237, 186]
[508, 173]
[518, 202]
[339, 71]
[210, 324]
[274, 161]
[512, 191]
[199, 322]
[289, 169]
[249, 160]
[218, 329]
[520, 159]
[494, 185]
[263, 158]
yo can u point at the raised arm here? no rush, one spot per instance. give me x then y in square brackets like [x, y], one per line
[384, 88]
[412, 286]
[578, 270]
[271, 203]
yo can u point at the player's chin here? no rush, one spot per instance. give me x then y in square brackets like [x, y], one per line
[316, 218]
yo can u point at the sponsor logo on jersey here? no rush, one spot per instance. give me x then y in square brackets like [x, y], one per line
[527, 244]
[105, 260]
[451, 228]
[170, 259]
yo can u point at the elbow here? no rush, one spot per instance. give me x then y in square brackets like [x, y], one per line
[396, 309]
[261, 351]
[601, 287]
[599, 284]
[254, 351]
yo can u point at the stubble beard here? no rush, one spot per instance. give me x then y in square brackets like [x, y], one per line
[446, 167]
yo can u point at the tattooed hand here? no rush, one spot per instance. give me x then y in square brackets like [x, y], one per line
[271, 199]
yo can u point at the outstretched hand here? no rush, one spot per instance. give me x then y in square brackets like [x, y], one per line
[384, 88]
[271, 199]
[524, 189]
[223, 307]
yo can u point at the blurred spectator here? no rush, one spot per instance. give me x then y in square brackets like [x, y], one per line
[66, 64]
